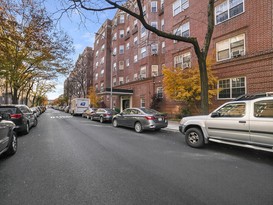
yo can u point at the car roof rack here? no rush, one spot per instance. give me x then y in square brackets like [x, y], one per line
[253, 96]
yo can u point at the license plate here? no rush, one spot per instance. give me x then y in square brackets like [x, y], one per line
[160, 119]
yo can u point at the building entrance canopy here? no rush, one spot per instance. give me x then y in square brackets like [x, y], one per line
[107, 91]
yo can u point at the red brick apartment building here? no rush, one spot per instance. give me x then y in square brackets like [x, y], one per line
[130, 58]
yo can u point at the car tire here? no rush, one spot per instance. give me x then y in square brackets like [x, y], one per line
[194, 137]
[138, 127]
[115, 123]
[35, 122]
[26, 131]
[13, 144]
[101, 120]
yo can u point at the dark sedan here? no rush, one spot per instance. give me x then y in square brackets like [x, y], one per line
[8, 138]
[103, 114]
[141, 119]
[22, 117]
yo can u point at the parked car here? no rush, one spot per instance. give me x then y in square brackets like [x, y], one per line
[66, 109]
[141, 119]
[245, 122]
[88, 112]
[36, 111]
[8, 137]
[103, 114]
[21, 115]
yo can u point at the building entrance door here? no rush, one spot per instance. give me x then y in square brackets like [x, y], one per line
[125, 104]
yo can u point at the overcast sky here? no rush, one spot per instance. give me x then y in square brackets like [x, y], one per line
[82, 33]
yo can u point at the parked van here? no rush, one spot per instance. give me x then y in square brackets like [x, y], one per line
[79, 105]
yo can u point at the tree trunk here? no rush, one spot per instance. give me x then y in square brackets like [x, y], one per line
[204, 84]
[14, 96]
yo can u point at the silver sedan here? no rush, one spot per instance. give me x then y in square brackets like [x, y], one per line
[140, 119]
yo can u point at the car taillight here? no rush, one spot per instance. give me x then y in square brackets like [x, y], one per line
[150, 117]
[15, 116]
[107, 114]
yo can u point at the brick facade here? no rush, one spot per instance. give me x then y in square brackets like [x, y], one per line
[247, 25]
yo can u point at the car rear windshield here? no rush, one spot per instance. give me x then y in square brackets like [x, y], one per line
[9, 110]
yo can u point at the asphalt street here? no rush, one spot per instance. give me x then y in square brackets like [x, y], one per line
[73, 161]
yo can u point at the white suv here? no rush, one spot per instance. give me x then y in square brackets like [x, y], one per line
[246, 122]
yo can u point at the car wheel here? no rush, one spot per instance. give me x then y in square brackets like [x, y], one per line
[27, 129]
[138, 127]
[87, 117]
[13, 144]
[194, 137]
[101, 119]
[115, 123]
[35, 122]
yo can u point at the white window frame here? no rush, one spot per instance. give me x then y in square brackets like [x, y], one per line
[143, 72]
[121, 49]
[121, 65]
[154, 69]
[143, 52]
[179, 60]
[159, 92]
[121, 80]
[142, 102]
[121, 33]
[180, 6]
[127, 62]
[225, 7]
[153, 6]
[154, 24]
[127, 46]
[226, 45]
[154, 49]
[121, 18]
[230, 87]
[135, 58]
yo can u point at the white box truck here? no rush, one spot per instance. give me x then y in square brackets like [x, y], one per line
[79, 105]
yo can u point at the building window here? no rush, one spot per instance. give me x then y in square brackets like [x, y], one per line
[121, 18]
[162, 24]
[159, 92]
[142, 72]
[96, 76]
[144, 10]
[231, 88]
[115, 66]
[121, 49]
[135, 41]
[230, 48]
[183, 61]
[103, 47]
[163, 47]
[114, 81]
[135, 76]
[179, 6]
[121, 81]
[114, 51]
[97, 64]
[154, 6]
[135, 23]
[154, 49]
[102, 72]
[121, 65]
[143, 52]
[154, 70]
[154, 24]
[97, 53]
[143, 31]
[142, 102]
[228, 9]
[127, 62]
[102, 87]
[183, 30]
[127, 46]
[135, 58]
[121, 34]
[127, 79]
[115, 37]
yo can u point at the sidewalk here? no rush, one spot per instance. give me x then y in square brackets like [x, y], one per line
[173, 126]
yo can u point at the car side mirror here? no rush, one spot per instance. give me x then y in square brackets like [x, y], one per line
[215, 114]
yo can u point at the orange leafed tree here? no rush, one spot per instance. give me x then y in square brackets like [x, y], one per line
[184, 85]
[94, 99]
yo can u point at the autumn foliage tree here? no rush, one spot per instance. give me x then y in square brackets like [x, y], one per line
[94, 99]
[30, 46]
[184, 85]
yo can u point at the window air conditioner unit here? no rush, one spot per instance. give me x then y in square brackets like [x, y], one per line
[186, 65]
[237, 53]
[154, 52]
